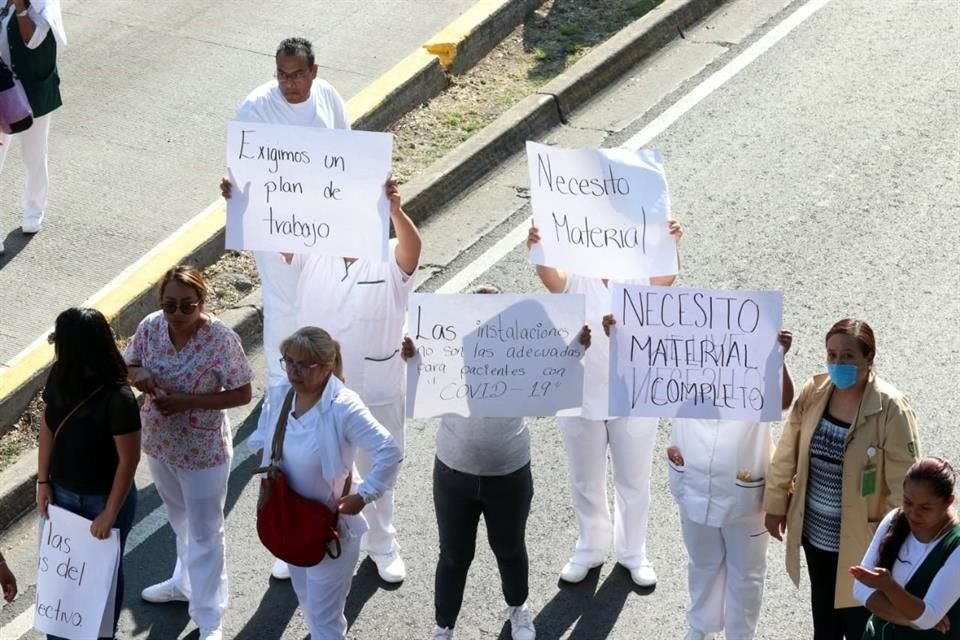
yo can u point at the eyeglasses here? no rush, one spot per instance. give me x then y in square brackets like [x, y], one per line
[300, 368]
[296, 76]
[185, 307]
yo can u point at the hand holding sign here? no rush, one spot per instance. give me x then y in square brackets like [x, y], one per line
[307, 190]
[600, 212]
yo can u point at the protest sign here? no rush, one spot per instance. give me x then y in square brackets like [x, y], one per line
[695, 353]
[495, 355]
[308, 190]
[601, 212]
[76, 576]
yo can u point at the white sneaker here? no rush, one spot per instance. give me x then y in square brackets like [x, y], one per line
[574, 572]
[521, 625]
[693, 634]
[211, 634]
[644, 576]
[166, 591]
[441, 633]
[280, 570]
[390, 566]
[3, 249]
[31, 223]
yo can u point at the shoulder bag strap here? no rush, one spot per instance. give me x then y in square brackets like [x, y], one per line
[278, 434]
[63, 422]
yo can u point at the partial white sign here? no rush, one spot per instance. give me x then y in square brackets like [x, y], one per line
[696, 353]
[494, 355]
[76, 578]
[308, 190]
[601, 212]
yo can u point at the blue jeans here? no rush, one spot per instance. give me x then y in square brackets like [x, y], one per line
[90, 507]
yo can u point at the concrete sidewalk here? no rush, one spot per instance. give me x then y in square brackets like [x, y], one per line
[138, 148]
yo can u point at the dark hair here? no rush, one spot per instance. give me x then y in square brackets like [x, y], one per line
[86, 352]
[941, 478]
[187, 275]
[859, 330]
[487, 288]
[294, 47]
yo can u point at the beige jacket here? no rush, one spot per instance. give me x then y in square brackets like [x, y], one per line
[885, 427]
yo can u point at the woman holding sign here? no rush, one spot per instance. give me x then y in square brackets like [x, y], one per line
[89, 432]
[192, 368]
[587, 438]
[837, 470]
[717, 471]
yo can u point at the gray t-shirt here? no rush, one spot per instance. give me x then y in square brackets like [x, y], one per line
[483, 446]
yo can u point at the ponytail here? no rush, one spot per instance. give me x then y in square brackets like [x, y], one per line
[893, 540]
[337, 361]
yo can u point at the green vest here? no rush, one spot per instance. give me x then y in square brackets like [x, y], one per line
[36, 69]
[918, 585]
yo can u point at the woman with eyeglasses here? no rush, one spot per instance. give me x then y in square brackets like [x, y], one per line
[89, 432]
[192, 368]
[837, 470]
[326, 426]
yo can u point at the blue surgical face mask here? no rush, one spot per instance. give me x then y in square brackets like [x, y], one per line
[843, 376]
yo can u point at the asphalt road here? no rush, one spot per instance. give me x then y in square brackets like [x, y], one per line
[827, 168]
[138, 148]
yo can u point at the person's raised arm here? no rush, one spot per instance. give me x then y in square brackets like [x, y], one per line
[675, 229]
[409, 242]
[553, 279]
[786, 393]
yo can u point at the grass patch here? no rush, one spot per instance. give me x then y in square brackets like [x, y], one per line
[553, 38]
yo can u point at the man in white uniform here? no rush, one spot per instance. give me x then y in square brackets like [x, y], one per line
[362, 304]
[30, 33]
[717, 476]
[587, 438]
[297, 98]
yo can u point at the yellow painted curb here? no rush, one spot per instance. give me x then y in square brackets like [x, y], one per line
[144, 274]
[446, 43]
[371, 97]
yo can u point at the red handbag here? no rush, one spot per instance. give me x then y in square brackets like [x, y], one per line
[295, 529]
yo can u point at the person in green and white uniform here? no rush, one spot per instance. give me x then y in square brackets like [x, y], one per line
[31, 31]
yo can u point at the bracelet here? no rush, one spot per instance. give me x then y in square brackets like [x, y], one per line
[23, 14]
[43, 482]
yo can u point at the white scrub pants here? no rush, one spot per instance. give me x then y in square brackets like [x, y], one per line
[322, 591]
[278, 287]
[194, 500]
[631, 442]
[33, 148]
[725, 574]
[381, 538]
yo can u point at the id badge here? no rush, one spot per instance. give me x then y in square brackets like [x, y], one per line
[868, 481]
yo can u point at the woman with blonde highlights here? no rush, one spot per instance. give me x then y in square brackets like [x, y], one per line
[326, 426]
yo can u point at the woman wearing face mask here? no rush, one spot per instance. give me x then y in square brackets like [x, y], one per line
[837, 470]
[908, 578]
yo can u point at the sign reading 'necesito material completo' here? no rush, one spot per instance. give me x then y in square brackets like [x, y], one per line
[695, 353]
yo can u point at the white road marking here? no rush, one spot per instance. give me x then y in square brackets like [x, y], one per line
[660, 124]
[155, 520]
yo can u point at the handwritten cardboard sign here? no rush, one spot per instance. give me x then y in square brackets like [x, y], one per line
[696, 353]
[494, 355]
[601, 212]
[308, 190]
[76, 578]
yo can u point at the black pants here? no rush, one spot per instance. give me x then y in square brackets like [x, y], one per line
[830, 623]
[459, 500]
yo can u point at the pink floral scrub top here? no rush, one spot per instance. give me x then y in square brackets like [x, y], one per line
[213, 360]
